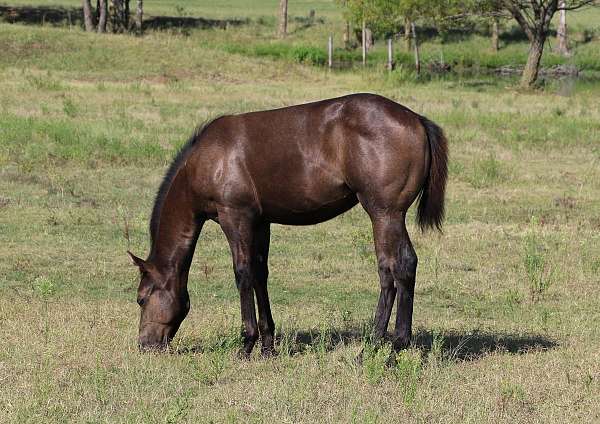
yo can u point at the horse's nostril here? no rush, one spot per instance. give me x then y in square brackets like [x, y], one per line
[141, 301]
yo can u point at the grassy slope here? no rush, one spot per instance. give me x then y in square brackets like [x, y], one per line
[87, 125]
[257, 39]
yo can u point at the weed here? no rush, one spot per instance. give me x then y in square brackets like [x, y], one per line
[46, 82]
[374, 360]
[407, 371]
[538, 272]
[436, 354]
[511, 392]
[487, 172]
[69, 108]
[44, 287]
[211, 367]
[512, 299]
[178, 408]
[362, 241]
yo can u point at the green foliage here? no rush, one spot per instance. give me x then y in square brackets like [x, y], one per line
[309, 55]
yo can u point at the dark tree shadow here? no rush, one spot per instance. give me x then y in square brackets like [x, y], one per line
[187, 22]
[61, 16]
[42, 15]
[305, 22]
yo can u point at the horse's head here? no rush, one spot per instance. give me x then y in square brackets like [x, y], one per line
[163, 305]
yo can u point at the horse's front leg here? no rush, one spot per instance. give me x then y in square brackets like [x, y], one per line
[238, 227]
[266, 326]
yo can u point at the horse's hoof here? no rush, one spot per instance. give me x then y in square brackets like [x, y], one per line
[359, 358]
[269, 353]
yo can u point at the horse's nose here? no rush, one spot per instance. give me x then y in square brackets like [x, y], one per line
[145, 346]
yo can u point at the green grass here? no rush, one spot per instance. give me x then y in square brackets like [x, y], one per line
[88, 124]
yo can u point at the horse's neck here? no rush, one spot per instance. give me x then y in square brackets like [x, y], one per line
[177, 232]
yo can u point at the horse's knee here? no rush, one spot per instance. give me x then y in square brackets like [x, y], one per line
[405, 268]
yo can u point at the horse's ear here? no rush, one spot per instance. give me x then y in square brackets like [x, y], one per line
[139, 262]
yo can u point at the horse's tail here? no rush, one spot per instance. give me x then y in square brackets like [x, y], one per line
[431, 202]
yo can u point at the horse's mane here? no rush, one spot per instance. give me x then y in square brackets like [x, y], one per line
[179, 159]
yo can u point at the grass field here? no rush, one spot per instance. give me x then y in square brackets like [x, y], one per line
[506, 316]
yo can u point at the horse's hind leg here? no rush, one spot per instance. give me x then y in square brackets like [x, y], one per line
[397, 262]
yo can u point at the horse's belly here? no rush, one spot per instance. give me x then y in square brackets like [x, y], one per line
[308, 216]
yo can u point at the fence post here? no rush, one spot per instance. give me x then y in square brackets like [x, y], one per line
[416, 43]
[390, 64]
[330, 51]
[364, 42]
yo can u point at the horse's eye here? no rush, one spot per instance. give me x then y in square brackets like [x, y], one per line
[141, 301]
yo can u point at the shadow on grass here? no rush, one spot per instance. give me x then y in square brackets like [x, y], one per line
[460, 345]
[41, 15]
[63, 16]
[187, 22]
[454, 345]
[472, 346]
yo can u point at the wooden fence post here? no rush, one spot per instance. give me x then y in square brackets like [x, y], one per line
[416, 43]
[330, 51]
[364, 42]
[390, 64]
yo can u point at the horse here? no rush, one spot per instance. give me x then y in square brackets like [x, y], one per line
[297, 165]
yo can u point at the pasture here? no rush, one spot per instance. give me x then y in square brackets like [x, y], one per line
[506, 317]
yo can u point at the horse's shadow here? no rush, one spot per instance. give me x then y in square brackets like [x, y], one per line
[451, 345]
[458, 345]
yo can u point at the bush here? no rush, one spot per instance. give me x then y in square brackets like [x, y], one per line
[309, 55]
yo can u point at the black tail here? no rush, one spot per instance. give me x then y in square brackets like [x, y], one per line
[431, 203]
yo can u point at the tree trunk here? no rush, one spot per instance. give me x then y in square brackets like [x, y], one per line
[532, 67]
[283, 12]
[495, 33]
[561, 33]
[88, 18]
[368, 39]
[139, 16]
[102, 12]
[407, 38]
[118, 14]
[347, 35]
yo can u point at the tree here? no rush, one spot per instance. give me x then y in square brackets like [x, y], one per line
[283, 17]
[112, 14]
[534, 18]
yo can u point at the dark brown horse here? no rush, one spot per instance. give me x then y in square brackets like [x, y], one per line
[298, 165]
